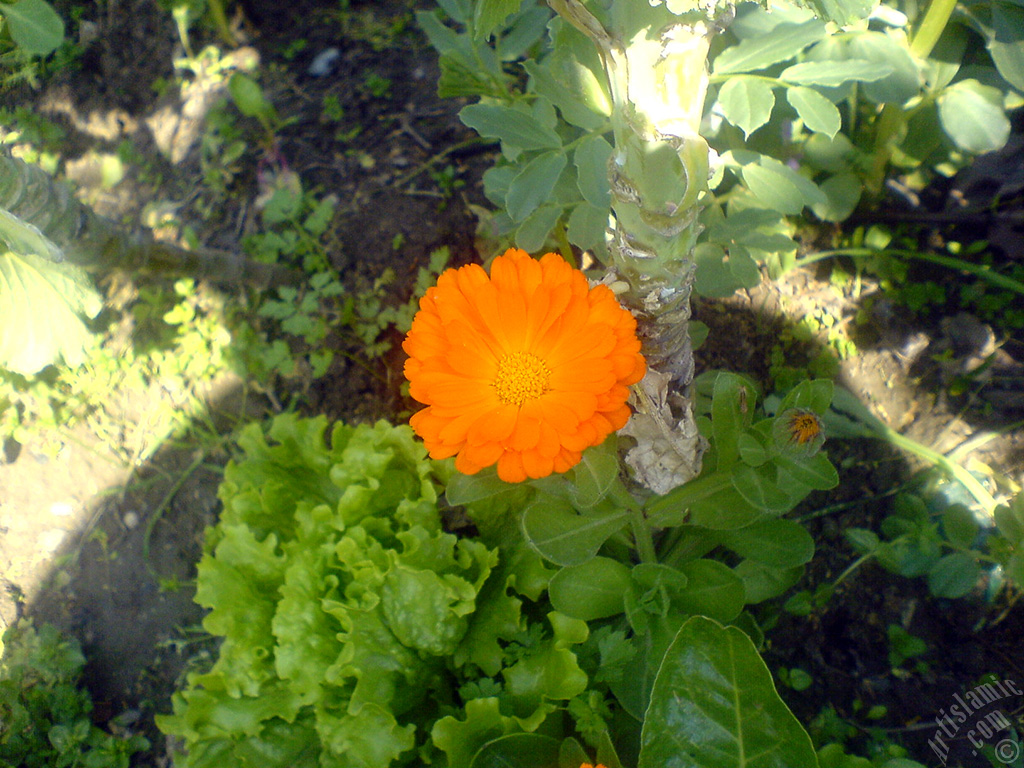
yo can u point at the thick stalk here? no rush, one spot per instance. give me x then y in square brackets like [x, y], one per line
[31, 196]
[656, 64]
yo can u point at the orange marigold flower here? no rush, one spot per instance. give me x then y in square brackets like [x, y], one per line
[524, 368]
[588, 765]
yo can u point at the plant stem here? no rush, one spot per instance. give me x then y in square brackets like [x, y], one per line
[931, 28]
[980, 271]
[642, 538]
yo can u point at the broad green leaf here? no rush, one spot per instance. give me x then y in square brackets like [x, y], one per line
[533, 184]
[573, 108]
[533, 232]
[773, 189]
[746, 102]
[731, 408]
[591, 159]
[591, 590]
[712, 589]
[953, 575]
[725, 510]
[835, 73]
[633, 688]
[905, 79]
[1006, 42]
[760, 487]
[41, 309]
[565, 537]
[22, 238]
[488, 15]
[844, 12]
[818, 113]
[960, 526]
[762, 582]
[594, 476]
[517, 750]
[777, 543]
[34, 26]
[815, 471]
[835, 155]
[714, 705]
[519, 130]
[972, 115]
[783, 42]
[815, 395]
[526, 29]
[575, 63]
[587, 226]
[713, 278]
[843, 191]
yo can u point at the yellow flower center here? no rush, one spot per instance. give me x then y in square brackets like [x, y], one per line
[521, 376]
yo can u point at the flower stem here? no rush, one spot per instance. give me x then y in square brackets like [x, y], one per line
[980, 271]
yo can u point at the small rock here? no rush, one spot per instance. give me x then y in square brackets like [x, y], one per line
[61, 509]
[324, 63]
[130, 520]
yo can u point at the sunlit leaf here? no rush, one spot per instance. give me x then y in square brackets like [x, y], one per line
[972, 115]
[714, 705]
[818, 113]
[783, 42]
[41, 309]
[746, 102]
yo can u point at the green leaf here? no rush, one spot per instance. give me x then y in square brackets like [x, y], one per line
[714, 705]
[591, 159]
[844, 12]
[249, 98]
[565, 537]
[783, 42]
[23, 239]
[762, 582]
[712, 589]
[34, 26]
[518, 130]
[746, 102]
[835, 73]
[517, 750]
[732, 404]
[533, 232]
[574, 110]
[843, 192]
[760, 487]
[902, 83]
[595, 475]
[488, 15]
[954, 575]
[780, 188]
[778, 543]
[960, 526]
[533, 184]
[972, 115]
[41, 309]
[587, 226]
[815, 471]
[818, 113]
[591, 590]
[1006, 42]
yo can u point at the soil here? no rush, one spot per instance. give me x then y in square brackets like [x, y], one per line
[106, 549]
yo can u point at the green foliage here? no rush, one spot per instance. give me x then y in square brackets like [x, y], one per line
[357, 632]
[802, 117]
[44, 712]
[944, 543]
[33, 26]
